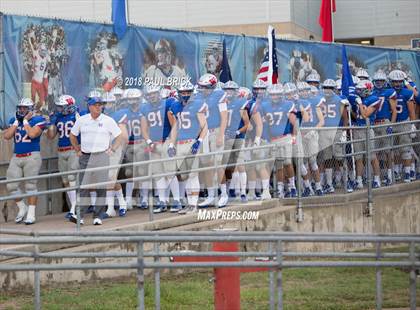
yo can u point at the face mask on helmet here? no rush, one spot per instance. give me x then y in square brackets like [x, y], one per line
[379, 84]
[397, 84]
[313, 83]
[258, 92]
[328, 91]
[22, 111]
[276, 98]
[184, 96]
[153, 97]
[231, 94]
[363, 92]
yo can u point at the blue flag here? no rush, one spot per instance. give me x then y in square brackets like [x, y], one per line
[119, 18]
[347, 85]
[225, 74]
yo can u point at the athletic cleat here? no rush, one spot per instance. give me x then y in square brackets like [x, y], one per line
[97, 221]
[375, 184]
[319, 192]
[122, 212]
[232, 194]
[293, 193]
[258, 196]
[73, 219]
[21, 215]
[387, 182]
[306, 192]
[208, 202]
[68, 215]
[160, 207]
[397, 176]
[265, 195]
[350, 186]
[111, 213]
[176, 207]
[244, 199]
[129, 206]
[223, 201]
[407, 178]
[144, 205]
[29, 220]
[412, 175]
[329, 189]
[280, 194]
[90, 209]
[188, 209]
[251, 197]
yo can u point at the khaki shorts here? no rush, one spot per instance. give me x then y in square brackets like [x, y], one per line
[68, 161]
[310, 141]
[24, 167]
[283, 150]
[136, 153]
[189, 161]
[361, 146]
[381, 131]
[237, 157]
[161, 152]
[403, 139]
[328, 146]
[210, 145]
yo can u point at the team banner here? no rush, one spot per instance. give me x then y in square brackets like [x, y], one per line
[45, 58]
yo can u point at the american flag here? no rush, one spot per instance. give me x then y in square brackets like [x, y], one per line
[269, 67]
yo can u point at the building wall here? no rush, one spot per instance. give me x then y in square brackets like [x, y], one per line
[375, 18]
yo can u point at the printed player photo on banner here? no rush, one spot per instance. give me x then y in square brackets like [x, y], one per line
[44, 53]
[162, 64]
[106, 62]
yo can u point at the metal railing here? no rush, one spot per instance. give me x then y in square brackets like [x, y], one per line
[214, 166]
[272, 256]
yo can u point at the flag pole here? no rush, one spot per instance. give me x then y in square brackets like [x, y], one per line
[127, 11]
[332, 19]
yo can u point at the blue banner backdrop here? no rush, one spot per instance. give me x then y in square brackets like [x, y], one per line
[44, 58]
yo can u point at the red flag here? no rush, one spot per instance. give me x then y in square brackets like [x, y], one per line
[325, 19]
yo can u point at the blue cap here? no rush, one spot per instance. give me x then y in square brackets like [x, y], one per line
[94, 100]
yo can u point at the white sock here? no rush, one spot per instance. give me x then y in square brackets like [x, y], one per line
[328, 174]
[242, 182]
[292, 183]
[110, 200]
[322, 177]
[31, 212]
[280, 187]
[251, 187]
[338, 175]
[129, 187]
[377, 179]
[407, 169]
[145, 190]
[21, 205]
[121, 200]
[265, 184]
[161, 188]
[258, 185]
[235, 180]
[307, 183]
[318, 185]
[174, 186]
[211, 191]
[72, 199]
[182, 185]
[359, 180]
[389, 174]
[223, 189]
[92, 198]
[413, 166]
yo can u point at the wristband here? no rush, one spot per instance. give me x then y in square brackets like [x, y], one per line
[148, 141]
[200, 140]
[238, 132]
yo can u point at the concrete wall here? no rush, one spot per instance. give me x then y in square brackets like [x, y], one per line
[397, 210]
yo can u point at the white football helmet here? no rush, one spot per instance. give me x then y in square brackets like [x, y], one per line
[152, 93]
[24, 107]
[364, 88]
[207, 81]
[66, 104]
[362, 74]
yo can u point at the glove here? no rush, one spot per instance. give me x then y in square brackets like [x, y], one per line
[413, 131]
[196, 146]
[389, 130]
[171, 150]
[150, 146]
[257, 141]
[230, 134]
[19, 118]
[343, 137]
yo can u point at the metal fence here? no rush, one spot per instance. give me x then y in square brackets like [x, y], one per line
[348, 157]
[273, 255]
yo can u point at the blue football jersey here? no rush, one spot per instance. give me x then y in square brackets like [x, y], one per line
[23, 143]
[315, 102]
[133, 126]
[403, 97]
[212, 103]
[64, 124]
[157, 119]
[187, 119]
[252, 107]
[332, 111]
[371, 101]
[384, 110]
[120, 116]
[234, 109]
[277, 117]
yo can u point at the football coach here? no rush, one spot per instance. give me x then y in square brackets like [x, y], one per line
[99, 137]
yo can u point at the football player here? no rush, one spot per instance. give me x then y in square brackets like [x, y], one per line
[25, 129]
[189, 128]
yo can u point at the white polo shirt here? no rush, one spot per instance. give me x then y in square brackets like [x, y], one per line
[95, 134]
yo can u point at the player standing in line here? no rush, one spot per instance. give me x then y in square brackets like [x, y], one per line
[386, 114]
[133, 98]
[366, 109]
[61, 124]
[256, 136]
[26, 129]
[405, 112]
[156, 129]
[216, 115]
[120, 117]
[189, 128]
[237, 125]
